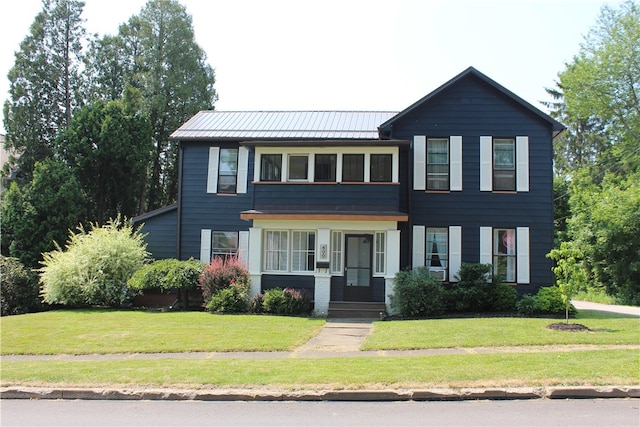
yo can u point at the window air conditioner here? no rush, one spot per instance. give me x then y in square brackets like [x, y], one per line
[439, 273]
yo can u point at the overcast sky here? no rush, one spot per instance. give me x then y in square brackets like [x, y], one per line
[353, 54]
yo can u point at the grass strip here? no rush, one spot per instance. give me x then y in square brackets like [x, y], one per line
[505, 331]
[598, 367]
[125, 331]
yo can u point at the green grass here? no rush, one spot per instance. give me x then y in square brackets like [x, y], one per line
[598, 367]
[120, 331]
[607, 329]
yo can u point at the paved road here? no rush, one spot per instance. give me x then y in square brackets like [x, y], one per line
[583, 413]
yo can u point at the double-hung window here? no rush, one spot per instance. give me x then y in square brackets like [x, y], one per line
[437, 164]
[504, 254]
[504, 164]
[224, 244]
[271, 167]
[228, 170]
[437, 251]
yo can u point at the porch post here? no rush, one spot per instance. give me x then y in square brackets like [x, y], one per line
[322, 286]
[393, 265]
[255, 257]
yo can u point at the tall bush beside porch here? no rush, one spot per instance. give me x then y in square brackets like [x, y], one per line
[229, 275]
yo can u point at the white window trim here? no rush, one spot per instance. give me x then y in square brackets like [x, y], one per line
[289, 252]
[377, 269]
[337, 252]
[419, 242]
[339, 151]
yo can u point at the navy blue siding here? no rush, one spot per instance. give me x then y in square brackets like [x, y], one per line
[270, 281]
[471, 109]
[327, 197]
[161, 233]
[202, 210]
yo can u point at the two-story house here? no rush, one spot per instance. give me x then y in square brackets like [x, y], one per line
[337, 202]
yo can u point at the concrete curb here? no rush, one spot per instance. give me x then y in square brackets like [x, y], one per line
[435, 394]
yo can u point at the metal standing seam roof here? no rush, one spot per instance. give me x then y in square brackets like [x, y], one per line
[213, 124]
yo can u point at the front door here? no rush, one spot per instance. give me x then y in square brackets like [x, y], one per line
[357, 273]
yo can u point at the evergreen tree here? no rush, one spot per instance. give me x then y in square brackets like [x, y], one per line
[45, 83]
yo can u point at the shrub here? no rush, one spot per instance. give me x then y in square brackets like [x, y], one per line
[417, 294]
[549, 300]
[527, 305]
[19, 287]
[474, 289]
[94, 267]
[220, 274]
[167, 274]
[256, 304]
[288, 301]
[232, 299]
[503, 297]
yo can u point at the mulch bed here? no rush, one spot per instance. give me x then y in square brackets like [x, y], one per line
[568, 327]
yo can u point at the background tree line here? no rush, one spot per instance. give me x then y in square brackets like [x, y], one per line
[597, 159]
[90, 119]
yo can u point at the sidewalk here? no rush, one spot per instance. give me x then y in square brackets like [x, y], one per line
[621, 309]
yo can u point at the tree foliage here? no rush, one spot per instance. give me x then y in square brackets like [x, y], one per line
[94, 266]
[45, 83]
[41, 212]
[598, 158]
[107, 146]
[156, 52]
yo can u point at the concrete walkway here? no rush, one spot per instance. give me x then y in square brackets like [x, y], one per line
[620, 309]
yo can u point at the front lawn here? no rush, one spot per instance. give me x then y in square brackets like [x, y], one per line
[606, 329]
[124, 331]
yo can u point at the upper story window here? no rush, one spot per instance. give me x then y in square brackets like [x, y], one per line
[437, 164]
[298, 167]
[327, 164]
[353, 167]
[271, 167]
[381, 167]
[325, 167]
[228, 170]
[504, 164]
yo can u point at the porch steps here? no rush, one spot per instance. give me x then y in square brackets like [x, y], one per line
[355, 310]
